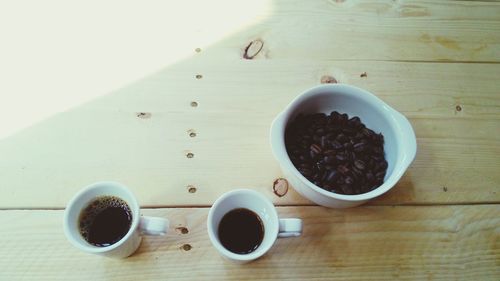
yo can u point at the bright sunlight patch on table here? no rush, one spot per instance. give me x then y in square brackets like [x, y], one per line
[56, 55]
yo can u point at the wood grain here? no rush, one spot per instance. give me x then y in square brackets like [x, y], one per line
[129, 99]
[367, 243]
[380, 30]
[140, 135]
[60, 131]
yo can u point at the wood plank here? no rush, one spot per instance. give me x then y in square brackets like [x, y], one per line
[368, 243]
[109, 139]
[53, 61]
[379, 30]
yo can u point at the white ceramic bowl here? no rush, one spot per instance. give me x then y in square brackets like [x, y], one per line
[400, 143]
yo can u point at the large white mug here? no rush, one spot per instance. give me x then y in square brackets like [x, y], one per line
[400, 143]
[139, 225]
[273, 226]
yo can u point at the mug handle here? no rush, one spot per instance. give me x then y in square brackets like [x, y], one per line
[408, 137]
[290, 228]
[153, 225]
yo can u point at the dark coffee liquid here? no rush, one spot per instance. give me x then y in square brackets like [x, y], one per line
[241, 231]
[105, 221]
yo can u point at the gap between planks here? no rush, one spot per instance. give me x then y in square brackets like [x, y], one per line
[277, 206]
[444, 61]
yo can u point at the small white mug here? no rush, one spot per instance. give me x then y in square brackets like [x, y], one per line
[130, 242]
[260, 205]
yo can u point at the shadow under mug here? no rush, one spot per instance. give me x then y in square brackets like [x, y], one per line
[140, 225]
[274, 227]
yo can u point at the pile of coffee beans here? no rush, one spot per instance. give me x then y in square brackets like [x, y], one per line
[336, 153]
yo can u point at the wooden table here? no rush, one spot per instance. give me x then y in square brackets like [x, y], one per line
[127, 91]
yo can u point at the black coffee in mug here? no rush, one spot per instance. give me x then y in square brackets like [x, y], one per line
[241, 231]
[105, 220]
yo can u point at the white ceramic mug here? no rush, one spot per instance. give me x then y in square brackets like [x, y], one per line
[130, 242]
[274, 227]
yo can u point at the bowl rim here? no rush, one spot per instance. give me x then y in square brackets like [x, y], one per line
[394, 117]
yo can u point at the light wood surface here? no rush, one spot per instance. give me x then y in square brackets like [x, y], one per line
[124, 91]
[366, 243]
[106, 140]
[140, 135]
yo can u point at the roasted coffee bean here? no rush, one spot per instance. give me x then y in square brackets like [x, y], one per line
[336, 145]
[327, 186]
[349, 180]
[337, 153]
[367, 132]
[329, 152]
[380, 166]
[357, 174]
[342, 169]
[313, 155]
[347, 145]
[320, 132]
[357, 137]
[331, 176]
[352, 156]
[335, 116]
[359, 147]
[354, 121]
[377, 150]
[304, 165]
[304, 144]
[347, 189]
[332, 130]
[305, 172]
[359, 164]
[378, 139]
[331, 136]
[342, 156]
[315, 148]
[315, 177]
[380, 175]
[319, 116]
[349, 132]
[320, 165]
[383, 165]
[369, 176]
[359, 181]
[329, 159]
[343, 118]
[321, 176]
[341, 138]
[324, 141]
